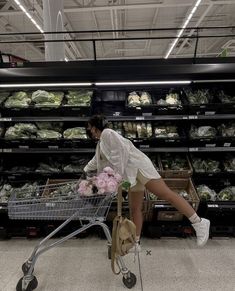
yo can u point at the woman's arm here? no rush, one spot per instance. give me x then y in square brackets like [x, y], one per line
[92, 165]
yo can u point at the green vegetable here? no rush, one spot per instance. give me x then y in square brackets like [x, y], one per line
[205, 165]
[198, 97]
[48, 99]
[205, 193]
[79, 97]
[202, 132]
[174, 162]
[227, 130]
[227, 194]
[18, 99]
[229, 163]
[21, 131]
[166, 131]
[48, 134]
[57, 126]
[76, 132]
[3, 96]
[225, 98]
[171, 99]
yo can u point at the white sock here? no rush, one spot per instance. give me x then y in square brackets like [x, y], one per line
[137, 238]
[194, 218]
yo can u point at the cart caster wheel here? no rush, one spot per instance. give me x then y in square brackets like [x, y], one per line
[109, 252]
[25, 268]
[31, 286]
[130, 281]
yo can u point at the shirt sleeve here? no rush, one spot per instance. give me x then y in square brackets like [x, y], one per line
[115, 150]
[92, 165]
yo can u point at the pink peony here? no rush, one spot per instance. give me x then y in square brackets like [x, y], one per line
[112, 186]
[100, 183]
[103, 176]
[101, 191]
[88, 191]
[109, 171]
[118, 178]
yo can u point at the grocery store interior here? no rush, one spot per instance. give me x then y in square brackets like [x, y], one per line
[162, 73]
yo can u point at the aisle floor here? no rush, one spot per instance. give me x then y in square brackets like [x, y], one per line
[165, 264]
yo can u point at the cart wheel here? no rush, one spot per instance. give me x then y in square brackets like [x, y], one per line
[130, 281]
[25, 268]
[31, 286]
[109, 252]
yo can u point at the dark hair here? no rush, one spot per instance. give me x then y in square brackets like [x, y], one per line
[98, 121]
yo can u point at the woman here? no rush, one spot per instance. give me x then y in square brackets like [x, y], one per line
[133, 165]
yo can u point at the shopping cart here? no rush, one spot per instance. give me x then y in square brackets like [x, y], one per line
[46, 203]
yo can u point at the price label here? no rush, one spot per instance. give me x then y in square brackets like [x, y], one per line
[7, 150]
[213, 205]
[53, 147]
[227, 144]
[184, 117]
[210, 113]
[6, 119]
[210, 145]
[193, 117]
[116, 113]
[24, 147]
[193, 149]
[159, 206]
[139, 118]
[147, 114]
[146, 146]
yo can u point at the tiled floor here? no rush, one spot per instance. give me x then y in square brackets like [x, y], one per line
[82, 264]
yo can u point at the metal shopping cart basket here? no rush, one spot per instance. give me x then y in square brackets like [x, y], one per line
[47, 202]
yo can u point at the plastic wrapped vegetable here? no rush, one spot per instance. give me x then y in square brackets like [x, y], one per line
[205, 193]
[198, 96]
[229, 163]
[227, 130]
[18, 100]
[225, 98]
[166, 132]
[226, 194]
[3, 96]
[174, 162]
[171, 99]
[79, 97]
[75, 133]
[205, 165]
[5, 192]
[184, 194]
[43, 98]
[202, 132]
[145, 98]
[134, 99]
[48, 134]
[57, 126]
[21, 131]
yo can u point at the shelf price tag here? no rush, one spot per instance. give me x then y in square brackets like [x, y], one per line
[53, 147]
[6, 119]
[184, 117]
[144, 146]
[213, 205]
[227, 144]
[159, 206]
[193, 149]
[210, 145]
[209, 112]
[193, 117]
[7, 150]
[139, 118]
[24, 147]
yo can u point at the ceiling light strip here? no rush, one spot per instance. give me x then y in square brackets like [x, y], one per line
[141, 83]
[183, 28]
[29, 16]
[44, 85]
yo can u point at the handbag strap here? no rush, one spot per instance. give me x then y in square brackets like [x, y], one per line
[119, 201]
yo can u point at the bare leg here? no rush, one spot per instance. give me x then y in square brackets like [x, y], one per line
[136, 203]
[161, 190]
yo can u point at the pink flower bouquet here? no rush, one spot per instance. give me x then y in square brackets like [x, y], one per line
[107, 181]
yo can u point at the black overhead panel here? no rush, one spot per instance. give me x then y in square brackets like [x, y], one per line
[120, 70]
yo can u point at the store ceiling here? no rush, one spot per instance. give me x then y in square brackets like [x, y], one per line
[123, 14]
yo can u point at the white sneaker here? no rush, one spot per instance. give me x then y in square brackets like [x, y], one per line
[202, 229]
[136, 248]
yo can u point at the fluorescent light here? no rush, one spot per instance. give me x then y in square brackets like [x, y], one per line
[183, 28]
[29, 16]
[43, 85]
[141, 83]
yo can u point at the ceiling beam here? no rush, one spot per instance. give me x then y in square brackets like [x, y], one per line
[4, 22]
[75, 9]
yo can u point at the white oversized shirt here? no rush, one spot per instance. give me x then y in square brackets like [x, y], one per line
[119, 153]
